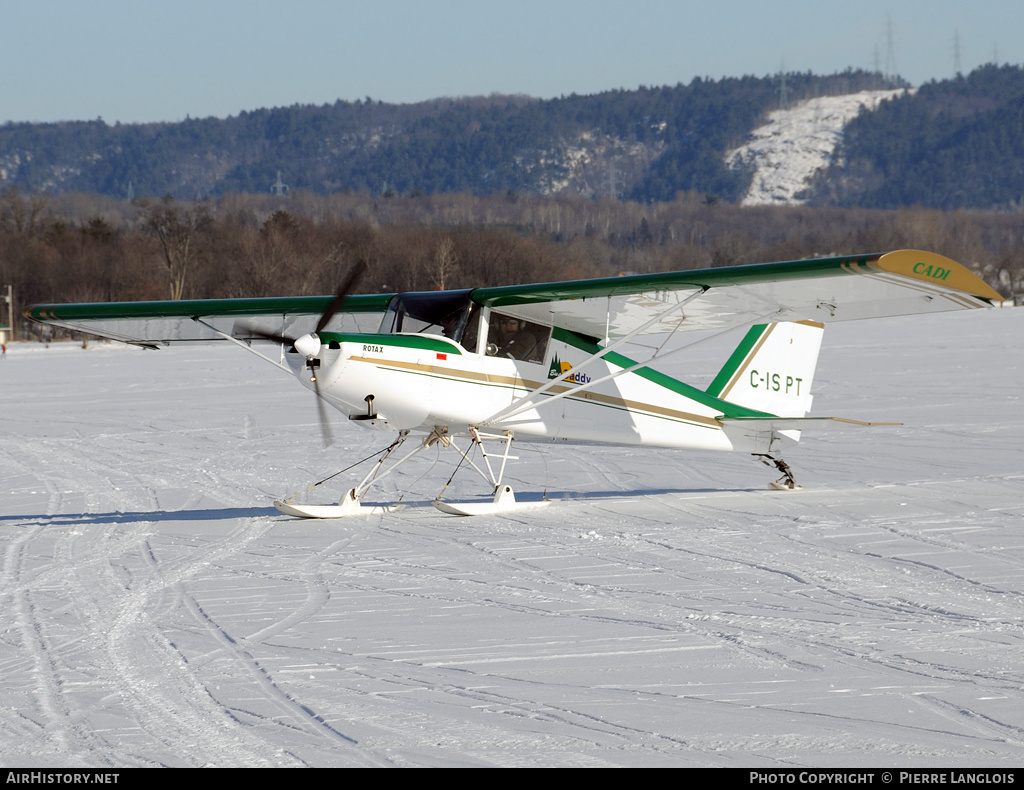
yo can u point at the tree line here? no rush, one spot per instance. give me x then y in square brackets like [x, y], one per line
[85, 248]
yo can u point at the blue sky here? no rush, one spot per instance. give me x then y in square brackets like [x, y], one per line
[138, 60]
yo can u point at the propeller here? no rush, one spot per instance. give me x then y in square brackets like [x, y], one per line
[309, 345]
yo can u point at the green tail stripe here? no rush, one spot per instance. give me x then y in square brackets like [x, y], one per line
[656, 376]
[733, 363]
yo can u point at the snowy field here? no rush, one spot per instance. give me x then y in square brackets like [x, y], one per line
[156, 610]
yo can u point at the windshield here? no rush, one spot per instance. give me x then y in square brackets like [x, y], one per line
[444, 313]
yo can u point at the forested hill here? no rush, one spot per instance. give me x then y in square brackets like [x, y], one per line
[645, 144]
[952, 143]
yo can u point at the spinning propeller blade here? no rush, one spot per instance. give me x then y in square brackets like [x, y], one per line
[309, 344]
[325, 425]
[353, 277]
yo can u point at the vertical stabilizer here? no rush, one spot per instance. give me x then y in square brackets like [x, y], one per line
[772, 369]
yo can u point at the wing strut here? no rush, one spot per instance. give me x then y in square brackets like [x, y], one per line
[528, 400]
[246, 346]
[524, 402]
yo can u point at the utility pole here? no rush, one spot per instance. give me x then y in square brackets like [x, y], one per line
[9, 298]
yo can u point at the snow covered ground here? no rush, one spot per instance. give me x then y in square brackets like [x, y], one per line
[156, 610]
[796, 143]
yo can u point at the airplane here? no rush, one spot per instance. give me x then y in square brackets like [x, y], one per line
[482, 367]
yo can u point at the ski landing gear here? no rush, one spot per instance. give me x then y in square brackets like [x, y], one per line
[504, 498]
[351, 504]
[784, 483]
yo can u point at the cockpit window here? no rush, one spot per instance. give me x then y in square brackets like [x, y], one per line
[444, 313]
[515, 338]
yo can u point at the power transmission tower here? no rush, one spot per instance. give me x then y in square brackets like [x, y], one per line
[890, 54]
[279, 188]
[957, 67]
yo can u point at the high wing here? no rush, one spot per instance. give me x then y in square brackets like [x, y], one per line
[823, 290]
[158, 323]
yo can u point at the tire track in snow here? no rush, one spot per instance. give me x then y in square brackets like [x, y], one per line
[302, 714]
[821, 636]
[53, 642]
[153, 679]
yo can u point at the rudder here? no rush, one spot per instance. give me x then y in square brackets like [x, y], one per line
[772, 369]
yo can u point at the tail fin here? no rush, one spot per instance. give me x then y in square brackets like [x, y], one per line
[771, 370]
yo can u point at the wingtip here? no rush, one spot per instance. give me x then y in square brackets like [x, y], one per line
[930, 267]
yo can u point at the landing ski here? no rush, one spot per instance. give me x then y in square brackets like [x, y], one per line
[349, 506]
[504, 502]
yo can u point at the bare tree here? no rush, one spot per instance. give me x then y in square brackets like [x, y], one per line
[20, 213]
[179, 228]
[445, 262]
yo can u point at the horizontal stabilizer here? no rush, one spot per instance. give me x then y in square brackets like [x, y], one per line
[766, 424]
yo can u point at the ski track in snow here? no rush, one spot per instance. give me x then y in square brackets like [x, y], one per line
[670, 610]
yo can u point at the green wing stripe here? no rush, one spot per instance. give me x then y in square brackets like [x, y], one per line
[189, 308]
[645, 283]
[912, 264]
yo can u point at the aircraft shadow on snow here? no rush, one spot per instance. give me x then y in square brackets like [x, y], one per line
[228, 513]
[132, 517]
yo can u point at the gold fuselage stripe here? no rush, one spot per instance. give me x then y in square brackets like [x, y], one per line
[518, 383]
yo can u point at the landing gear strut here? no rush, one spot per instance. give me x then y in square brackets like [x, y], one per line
[504, 498]
[351, 505]
[784, 483]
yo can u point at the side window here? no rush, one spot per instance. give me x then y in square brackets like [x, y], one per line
[515, 338]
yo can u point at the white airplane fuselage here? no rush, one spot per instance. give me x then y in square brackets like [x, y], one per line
[428, 382]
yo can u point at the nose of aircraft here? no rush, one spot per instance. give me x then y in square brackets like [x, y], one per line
[308, 345]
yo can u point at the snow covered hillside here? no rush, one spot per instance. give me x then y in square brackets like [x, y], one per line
[796, 143]
[671, 610]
